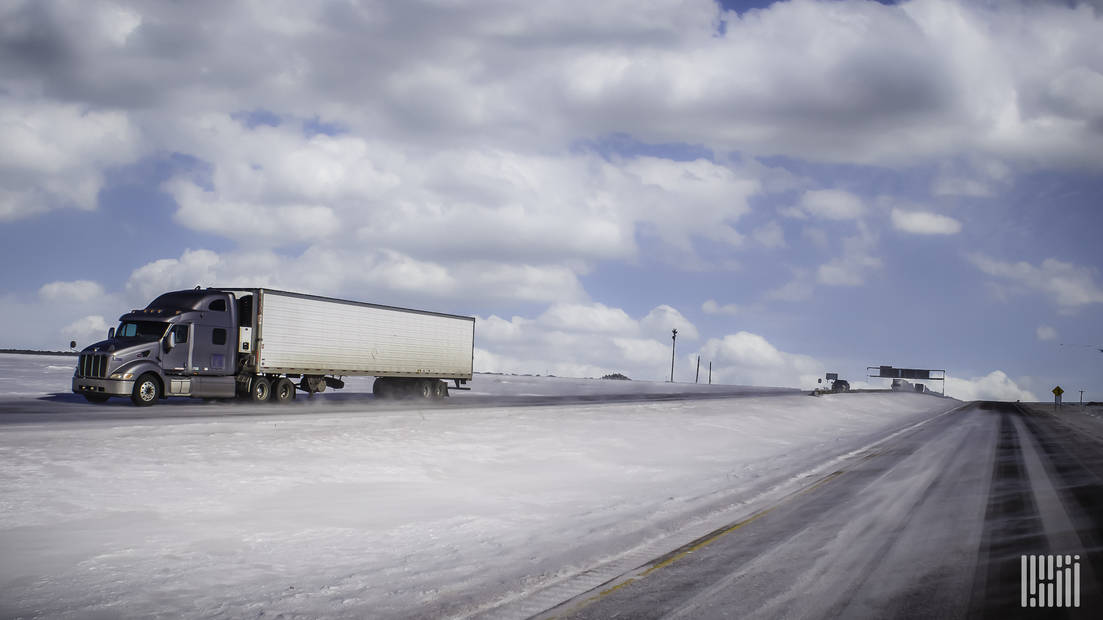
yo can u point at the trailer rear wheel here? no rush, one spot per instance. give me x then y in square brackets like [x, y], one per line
[440, 390]
[423, 388]
[284, 390]
[260, 390]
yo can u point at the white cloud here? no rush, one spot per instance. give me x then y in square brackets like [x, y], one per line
[641, 351]
[662, 319]
[497, 329]
[978, 177]
[924, 223]
[1070, 286]
[747, 358]
[588, 318]
[713, 307]
[996, 385]
[86, 330]
[278, 185]
[379, 276]
[564, 345]
[769, 235]
[855, 264]
[252, 223]
[798, 289]
[49, 321]
[54, 155]
[816, 236]
[1045, 332]
[74, 291]
[947, 185]
[193, 268]
[832, 204]
[856, 82]
[583, 339]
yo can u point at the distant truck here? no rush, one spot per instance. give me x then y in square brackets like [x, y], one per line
[265, 345]
[837, 384]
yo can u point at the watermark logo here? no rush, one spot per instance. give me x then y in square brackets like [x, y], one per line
[1050, 580]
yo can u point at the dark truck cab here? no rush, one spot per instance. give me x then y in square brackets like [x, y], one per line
[184, 343]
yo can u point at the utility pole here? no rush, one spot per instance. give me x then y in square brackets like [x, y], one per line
[710, 373]
[697, 379]
[673, 345]
[1081, 399]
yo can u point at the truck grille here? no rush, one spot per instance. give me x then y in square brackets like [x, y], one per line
[92, 366]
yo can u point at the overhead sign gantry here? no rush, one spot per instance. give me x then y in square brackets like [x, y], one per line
[916, 374]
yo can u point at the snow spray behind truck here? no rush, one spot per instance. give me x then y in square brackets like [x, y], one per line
[263, 344]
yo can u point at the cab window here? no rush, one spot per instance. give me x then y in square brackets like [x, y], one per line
[181, 332]
[143, 331]
[218, 305]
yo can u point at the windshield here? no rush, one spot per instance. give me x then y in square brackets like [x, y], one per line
[143, 331]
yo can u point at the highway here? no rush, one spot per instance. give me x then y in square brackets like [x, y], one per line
[69, 407]
[931, 524]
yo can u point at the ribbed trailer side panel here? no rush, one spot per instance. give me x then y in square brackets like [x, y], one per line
[317, 336]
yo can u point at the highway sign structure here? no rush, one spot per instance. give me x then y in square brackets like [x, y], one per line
[921, 374]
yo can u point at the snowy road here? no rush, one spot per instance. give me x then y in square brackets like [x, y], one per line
[931, 524]
[66, 407]
[348, 508]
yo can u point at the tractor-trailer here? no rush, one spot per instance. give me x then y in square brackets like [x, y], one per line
[262, 344]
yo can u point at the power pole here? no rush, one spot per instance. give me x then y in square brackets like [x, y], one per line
[1081, 399]
[710, 373]
[673, 345]
[697, 379]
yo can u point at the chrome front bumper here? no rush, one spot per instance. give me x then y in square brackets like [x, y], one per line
[108, 387]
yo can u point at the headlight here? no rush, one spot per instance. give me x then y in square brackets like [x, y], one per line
[122, 375]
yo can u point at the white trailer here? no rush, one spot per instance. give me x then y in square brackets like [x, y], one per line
[305, 335]
[266, 344]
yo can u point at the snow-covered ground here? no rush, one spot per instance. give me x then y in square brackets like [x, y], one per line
[367, 511]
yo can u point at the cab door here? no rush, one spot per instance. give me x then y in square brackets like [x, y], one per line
[215, 351]
[178, 360]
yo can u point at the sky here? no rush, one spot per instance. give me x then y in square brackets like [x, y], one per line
[797, 187]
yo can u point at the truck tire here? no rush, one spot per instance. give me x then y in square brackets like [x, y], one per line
[147, 390]
[423, 389]
[96, 398]
[283, 391]
[260, 390]
[440, 390]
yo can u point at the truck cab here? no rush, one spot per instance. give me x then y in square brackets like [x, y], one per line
[184, 343]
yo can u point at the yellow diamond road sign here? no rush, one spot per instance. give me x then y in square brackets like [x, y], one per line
[1057, 391]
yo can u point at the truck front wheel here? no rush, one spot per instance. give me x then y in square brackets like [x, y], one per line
[147, 390]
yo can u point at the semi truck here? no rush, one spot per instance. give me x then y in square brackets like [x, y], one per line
[266, 345]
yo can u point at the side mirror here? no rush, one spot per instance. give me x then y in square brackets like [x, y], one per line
[170, 341]
[110, 333]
